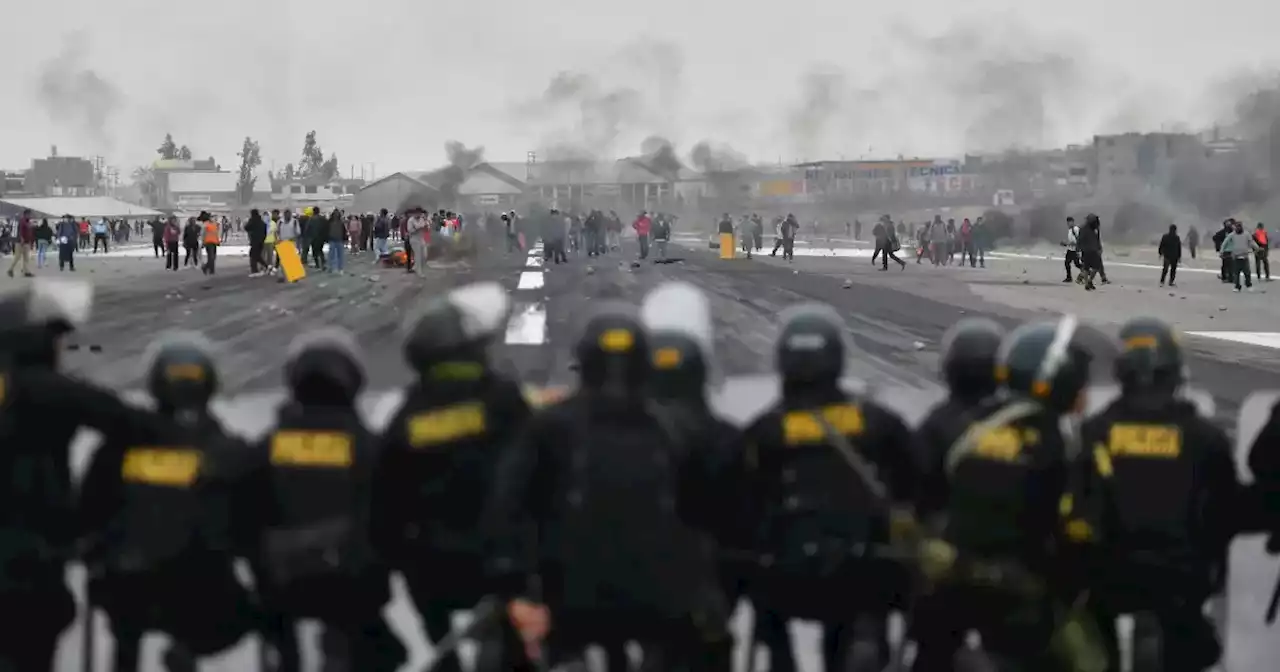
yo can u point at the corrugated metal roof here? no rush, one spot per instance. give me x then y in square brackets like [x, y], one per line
[518, 170]
[81, 206]
[202, 183]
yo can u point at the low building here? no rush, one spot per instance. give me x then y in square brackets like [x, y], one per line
[12, 182]
[1131, 161]
[202, 190]
[397, 192]
[61, 176]
[936, 177]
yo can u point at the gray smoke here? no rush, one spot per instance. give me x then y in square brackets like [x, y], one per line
[590, 116]
[659, 154]
[75, 95]
[727, 172]
[461, 160]
[821, 97]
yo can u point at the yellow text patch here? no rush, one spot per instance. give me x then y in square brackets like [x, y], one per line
[441, 425]
[666, 358]
[1161, 442]
[999, 444]
[617, 340]
[325, 450]
[185, 372]
[168, 467]
[802, 427]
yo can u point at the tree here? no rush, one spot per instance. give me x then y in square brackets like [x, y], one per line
[312, 156]
[145, 179]
[184, 153]
[289, 172]
[250, 159]
[168, 150]
[329, 169]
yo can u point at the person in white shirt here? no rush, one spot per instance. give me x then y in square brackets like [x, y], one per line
[1073, 253]
[415, 244]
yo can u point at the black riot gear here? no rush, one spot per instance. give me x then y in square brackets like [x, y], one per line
[1002, 487]
[438, 456]
[181, 375]
[1044, 362]
[324, 368]
[155, 511]
[969, 352]
[458, 326]
[678, 319]
[823, 472]
[1150, 358]
[32, 319]
[304, 510]
[1162, 493]
[613, 351]
[619, 491]
[811, 346]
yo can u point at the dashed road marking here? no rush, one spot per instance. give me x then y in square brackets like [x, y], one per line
[528, 323]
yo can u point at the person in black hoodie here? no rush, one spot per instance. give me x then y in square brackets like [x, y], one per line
[257, 232]
[381, 233]
[1090, 245]
[1228, 264]
[157, 236]
[191, 243]
[1170, 253]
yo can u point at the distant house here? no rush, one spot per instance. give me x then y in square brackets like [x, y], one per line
[193, 191]
[315, 190]
[397, 192]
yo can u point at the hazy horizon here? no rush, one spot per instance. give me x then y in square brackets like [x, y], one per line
[389, 82]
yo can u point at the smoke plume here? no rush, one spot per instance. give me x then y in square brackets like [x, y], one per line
[461, 160]
[727, 173]
[586, 116]
[73, 94]
[660, 156]
[822, 94]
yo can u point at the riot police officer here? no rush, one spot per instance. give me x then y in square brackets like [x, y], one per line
[825, 469]
[36, 504]
[612, 486]
[968, 368]
[154, 510]
[1165, 487]
[1005, 481]
[304, 510]
[439, 452]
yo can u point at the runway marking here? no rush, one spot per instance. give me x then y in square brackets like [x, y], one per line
[530, 280]
[1265, 339]
[528, 325]
[533, 261]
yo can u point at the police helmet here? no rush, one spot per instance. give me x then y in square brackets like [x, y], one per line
[969, 352]
[324, 367]
[677, 316]
[180, 370]
[1044, 361]
[613, 350]
[33, 318]
[1150, 355]
[811, 345]
[460, 325]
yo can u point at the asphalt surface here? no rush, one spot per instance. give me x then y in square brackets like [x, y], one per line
[895, 319]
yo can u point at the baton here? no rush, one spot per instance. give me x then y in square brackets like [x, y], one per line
[1274, 605]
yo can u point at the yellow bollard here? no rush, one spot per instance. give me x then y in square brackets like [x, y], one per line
[726, 246]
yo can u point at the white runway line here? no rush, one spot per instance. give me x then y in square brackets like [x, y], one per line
[528, 325]
[534, 261]
[147, 253]
[531, 280]
[1265, 339]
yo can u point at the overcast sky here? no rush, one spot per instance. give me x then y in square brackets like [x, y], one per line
[388, 82]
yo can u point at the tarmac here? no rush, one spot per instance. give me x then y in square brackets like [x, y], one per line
[895, 319]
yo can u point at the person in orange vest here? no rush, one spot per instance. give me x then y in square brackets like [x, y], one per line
[1260, 261]
[212, 237]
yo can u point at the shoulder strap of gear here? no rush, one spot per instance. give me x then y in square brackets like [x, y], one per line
[964, 446]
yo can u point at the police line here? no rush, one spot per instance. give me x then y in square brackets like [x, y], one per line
[739, 398]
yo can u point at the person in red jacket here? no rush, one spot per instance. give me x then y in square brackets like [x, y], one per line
[26, 240]
[643, 226]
